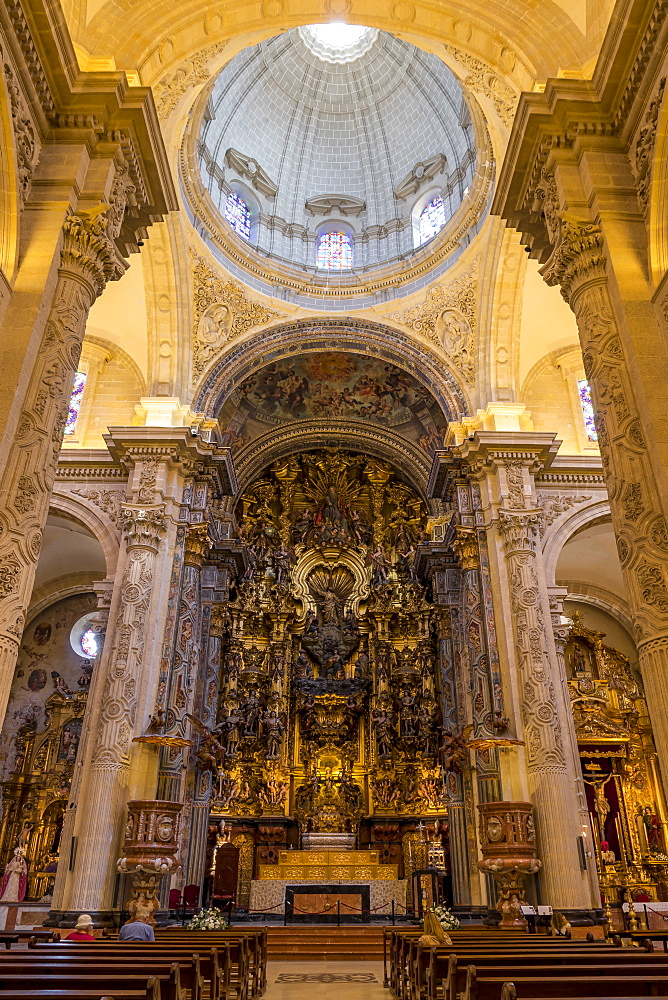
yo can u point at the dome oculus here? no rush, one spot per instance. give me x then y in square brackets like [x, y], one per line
[337, 42]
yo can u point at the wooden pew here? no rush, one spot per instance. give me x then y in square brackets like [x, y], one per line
[198, 966]
[482, 987]
[104, 981]
[424, 966]
[189, 972]
[152, 992]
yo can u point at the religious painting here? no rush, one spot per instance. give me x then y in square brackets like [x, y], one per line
[332, 385]
[47, 665]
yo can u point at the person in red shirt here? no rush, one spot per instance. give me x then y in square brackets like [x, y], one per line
[83, 930]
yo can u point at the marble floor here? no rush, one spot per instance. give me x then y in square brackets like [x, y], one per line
[325, 980]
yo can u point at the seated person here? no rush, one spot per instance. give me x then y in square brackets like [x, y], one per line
[136, 929]
[433, 934]
[83, 930]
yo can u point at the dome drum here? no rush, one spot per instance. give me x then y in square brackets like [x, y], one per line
[336, 151]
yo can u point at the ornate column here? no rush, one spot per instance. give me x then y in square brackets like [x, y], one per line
[104, 595]
[551, 779]
[577, 184]
[185, 662]
[557, 596]
[196, 862]
[504, 464]
[104, 796]
[144, 613]
[88, 260]
[447, 587]
[635, 473]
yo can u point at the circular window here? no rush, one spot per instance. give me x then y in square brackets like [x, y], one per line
[84, 639]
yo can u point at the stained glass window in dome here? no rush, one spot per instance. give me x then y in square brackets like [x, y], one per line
[335, 251]
[75, 402]
[238, 215]
[432, 219]
[89, 643]
[584, 391]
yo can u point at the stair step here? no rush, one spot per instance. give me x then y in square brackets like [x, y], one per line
[310, 941]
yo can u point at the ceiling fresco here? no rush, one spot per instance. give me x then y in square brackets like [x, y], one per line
[332, 385]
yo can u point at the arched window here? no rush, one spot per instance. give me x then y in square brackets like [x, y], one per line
[335, 251]
[584, 392]
[432, 219]
[75, 402]
[238, 214]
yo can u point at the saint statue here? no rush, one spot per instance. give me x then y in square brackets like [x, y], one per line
[15, 880]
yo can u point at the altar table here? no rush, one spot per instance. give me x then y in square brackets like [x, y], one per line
[376, 895]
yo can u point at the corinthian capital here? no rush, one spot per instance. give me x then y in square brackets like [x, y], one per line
[519, 531]
[577, 257]
[88, 250]
[143, 526]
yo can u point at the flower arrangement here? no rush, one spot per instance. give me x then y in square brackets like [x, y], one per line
[208, 920]
[446, 918]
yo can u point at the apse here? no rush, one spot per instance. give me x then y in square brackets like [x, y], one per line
[358, 389]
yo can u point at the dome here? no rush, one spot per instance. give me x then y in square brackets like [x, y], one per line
[337, 149]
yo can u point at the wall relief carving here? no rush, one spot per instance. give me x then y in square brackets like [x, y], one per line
[222, 313]
[448, 317]
[169, 91]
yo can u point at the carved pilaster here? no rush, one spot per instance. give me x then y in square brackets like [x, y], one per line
[578, 263]
[88, 260]
[198, 543]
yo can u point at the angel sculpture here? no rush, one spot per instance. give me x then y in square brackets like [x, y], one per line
[211, 753]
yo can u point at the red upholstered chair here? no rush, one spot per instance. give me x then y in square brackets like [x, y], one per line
[174, 899]
[191, 897]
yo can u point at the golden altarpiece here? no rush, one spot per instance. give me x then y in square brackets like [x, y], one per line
[619, 767]
[329, 709]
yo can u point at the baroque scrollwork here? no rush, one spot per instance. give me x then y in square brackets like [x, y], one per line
[222, 313]
[448, 317]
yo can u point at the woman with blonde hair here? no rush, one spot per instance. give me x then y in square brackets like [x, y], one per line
[433, 934]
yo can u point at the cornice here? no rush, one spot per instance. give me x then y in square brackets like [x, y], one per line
[177, 446]
[93, 107]
[604, 108]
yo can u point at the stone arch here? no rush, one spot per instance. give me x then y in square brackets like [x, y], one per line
[565, 526]
[148, 35]
[87, 511]
[358, 436]
[354, 336]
